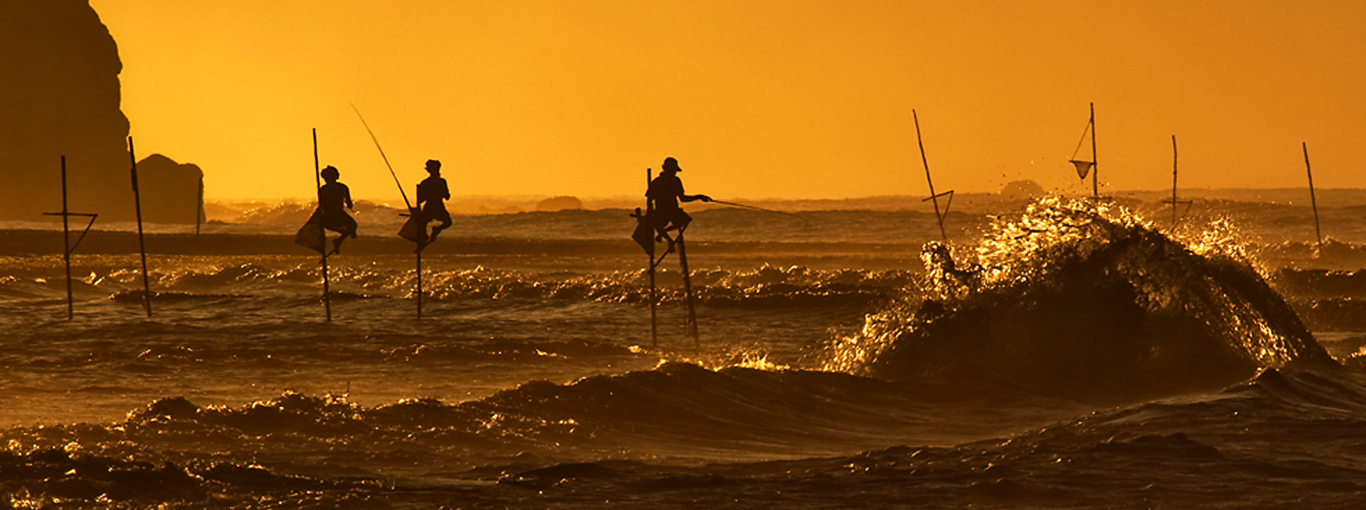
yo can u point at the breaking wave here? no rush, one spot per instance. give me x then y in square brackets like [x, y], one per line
[1083, 300]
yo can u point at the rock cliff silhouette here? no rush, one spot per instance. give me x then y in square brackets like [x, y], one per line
[59, 95]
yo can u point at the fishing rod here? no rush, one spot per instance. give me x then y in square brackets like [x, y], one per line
[386, 158]
[411, 214]
[723, 202]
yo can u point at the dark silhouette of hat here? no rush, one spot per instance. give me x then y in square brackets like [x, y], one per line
[671, 164]
[331, 172]
[433, 164]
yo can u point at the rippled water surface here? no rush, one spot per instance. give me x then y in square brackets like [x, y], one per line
[1052, 354]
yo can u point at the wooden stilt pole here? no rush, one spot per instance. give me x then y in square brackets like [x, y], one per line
[650, 255]
[1095, 162]
[66, 247]
[1318, 234]
[419, 284]
[1176, 218]
[933, 196]
[1173, 182]
[687, 289]
[317, 179]
[142, 246]
[199, 206]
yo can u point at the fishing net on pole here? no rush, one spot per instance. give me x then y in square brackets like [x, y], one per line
[1083, 167]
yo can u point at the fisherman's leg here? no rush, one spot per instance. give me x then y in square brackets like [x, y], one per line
[336, 243]
[346, 227]
[350, 227]
[664, 236]
[663, 223]
[679, 221]
[445, 222]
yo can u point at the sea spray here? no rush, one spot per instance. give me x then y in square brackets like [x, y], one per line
[1082, 300]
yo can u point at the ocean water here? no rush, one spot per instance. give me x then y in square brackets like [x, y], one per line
[1052, 353]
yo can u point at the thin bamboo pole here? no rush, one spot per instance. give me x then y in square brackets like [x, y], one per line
[1318, 234]
[66, 247]
[1095, 162]
[650, 255]
[687, 289]
[1173, 182]
[142, 245]
[419, 283]
[322, 233]
[929, 179]
[199, 206]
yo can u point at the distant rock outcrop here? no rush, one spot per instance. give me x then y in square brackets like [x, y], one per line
[559, 204]
[1022, 190]
[59, 96]
[170, 191]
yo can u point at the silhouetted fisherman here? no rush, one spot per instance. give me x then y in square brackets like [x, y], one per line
[330, 214]
[432, 193]
[665, 192]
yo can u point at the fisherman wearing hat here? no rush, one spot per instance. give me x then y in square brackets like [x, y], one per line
[665, 192]
[331, 198]
[431, 196]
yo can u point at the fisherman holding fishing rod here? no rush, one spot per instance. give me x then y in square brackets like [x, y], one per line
[664, 194]
[432, 193]
[663, 214]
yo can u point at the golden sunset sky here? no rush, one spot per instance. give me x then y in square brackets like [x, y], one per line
[756, 99]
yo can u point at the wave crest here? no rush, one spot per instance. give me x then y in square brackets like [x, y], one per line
[1082, 300]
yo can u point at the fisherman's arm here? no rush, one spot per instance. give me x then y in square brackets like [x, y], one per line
[683, 197]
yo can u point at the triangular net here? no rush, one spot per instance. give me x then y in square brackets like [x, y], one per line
[1083, 167]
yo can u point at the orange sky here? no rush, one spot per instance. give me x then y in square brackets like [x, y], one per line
[757, 99]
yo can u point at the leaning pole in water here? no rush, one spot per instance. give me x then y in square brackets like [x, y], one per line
[322, 233]
[142, 246]
[1312, 201]
[933, 196]
[687, 288]
[67, 248]
[650, 254]
[419, 281]
[199, 206]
